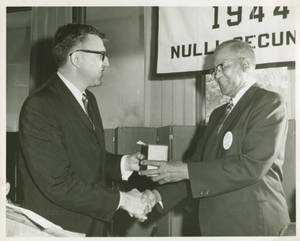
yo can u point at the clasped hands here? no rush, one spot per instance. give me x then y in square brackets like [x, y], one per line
[136, 203]
[139, 204]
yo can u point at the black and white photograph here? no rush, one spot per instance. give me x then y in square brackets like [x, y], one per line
[149, 119]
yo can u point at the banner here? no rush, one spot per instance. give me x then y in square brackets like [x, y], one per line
[187, 36]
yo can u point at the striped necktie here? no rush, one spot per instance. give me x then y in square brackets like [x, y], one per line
[228, 109]
[85, 102]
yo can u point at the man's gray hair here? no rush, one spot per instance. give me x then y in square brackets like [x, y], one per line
[240, 48]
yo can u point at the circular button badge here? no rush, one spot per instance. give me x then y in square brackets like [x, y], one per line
[227, 140]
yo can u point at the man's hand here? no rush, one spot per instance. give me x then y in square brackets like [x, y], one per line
[134, 205]
[151, 197]
[132, 161]
[172, 171]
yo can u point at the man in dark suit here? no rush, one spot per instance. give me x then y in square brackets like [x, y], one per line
[236, 173]
[64, 164]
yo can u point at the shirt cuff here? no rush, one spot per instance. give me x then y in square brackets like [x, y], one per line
[158, 196]
[161, 204]
[124, 173]
[119, 201]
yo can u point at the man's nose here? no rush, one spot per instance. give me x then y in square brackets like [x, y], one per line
[217, 74]
[106, 62]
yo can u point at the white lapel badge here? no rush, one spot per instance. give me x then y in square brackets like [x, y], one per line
[227, 140]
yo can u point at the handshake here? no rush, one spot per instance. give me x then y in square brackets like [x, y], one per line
[139, 204]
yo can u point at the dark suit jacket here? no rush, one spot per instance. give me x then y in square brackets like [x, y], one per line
[63, 161]
[239, 189]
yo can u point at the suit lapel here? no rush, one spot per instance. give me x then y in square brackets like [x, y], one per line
[96, 118]
[209, 129]
[238, 109]
[71, 103]
[216, 121]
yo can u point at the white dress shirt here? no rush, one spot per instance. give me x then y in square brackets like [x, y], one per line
[74, 90]
[241, 92]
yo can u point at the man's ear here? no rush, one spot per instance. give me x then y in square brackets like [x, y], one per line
[74, 59]
[246, 65]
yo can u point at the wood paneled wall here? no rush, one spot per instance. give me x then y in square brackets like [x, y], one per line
[167, 101]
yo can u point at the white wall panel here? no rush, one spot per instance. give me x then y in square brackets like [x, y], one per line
[167, 101]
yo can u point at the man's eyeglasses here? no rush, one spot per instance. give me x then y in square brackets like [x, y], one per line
[220, 67]
[101, 53]
[216, 69]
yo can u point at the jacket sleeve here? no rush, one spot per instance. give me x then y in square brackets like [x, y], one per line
[113, 166]
[172, 194]
[47, 162]
[265, 135]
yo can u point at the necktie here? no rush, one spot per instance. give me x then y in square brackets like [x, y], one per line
[85, 102]
[229, 107]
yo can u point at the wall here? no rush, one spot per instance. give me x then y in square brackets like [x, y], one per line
[129, 97]
[168, 101]
[28, 61]
[17, 70]
[121, 97]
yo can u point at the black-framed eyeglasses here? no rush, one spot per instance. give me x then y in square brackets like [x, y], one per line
[101, 53]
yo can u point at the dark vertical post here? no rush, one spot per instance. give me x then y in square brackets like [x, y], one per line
[200, 98]
[79, 15]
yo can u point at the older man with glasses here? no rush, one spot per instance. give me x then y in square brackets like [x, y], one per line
[237, 172]
[63, 161]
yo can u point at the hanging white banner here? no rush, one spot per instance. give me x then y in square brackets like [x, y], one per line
[187, 36]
